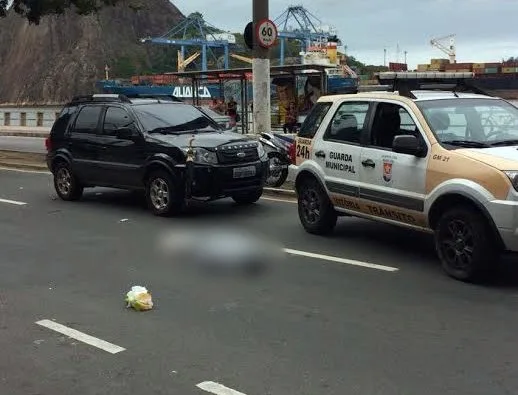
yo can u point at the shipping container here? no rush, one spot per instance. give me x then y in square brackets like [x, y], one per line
[478, 70]
[508, 70]
[398, 67]
[439, 61]
[491, 70]
[479, 65]
[423, 67]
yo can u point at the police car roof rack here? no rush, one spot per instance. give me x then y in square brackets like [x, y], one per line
[103, 97]
[406, 82]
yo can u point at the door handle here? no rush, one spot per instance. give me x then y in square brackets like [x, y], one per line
[320, 154]
[368, 163]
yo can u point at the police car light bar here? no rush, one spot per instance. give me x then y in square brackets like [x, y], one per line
[405, 82]
[423, 75]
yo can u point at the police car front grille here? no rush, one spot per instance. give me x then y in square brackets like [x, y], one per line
[237, 153]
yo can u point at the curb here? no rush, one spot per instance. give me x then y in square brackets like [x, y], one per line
[24, 134]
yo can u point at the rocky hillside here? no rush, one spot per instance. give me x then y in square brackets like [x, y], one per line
[65, 55]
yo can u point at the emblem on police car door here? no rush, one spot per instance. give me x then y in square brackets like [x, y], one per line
[387, 169]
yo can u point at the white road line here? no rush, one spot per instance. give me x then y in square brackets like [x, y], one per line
[217, 389]
[341, 260]
[279, 200]
[12, 202]
[83, 337]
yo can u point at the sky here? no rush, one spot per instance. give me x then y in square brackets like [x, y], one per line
[485, 29]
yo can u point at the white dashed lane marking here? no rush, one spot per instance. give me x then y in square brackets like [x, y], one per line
[217, 389]
[83, 337]
[341, 260]
[15, 202]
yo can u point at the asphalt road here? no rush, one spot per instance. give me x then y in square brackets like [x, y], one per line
[22, 144]
[307, 326]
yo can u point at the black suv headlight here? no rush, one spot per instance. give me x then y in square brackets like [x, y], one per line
[203, 156]
[260, 150]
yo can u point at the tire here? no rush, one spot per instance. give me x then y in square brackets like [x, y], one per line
[67, 185]
[311, 197]
[164, 195]
[458, 231]
[249, 197]
[275, 182]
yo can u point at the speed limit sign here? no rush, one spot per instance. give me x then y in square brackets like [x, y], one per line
[266, 33]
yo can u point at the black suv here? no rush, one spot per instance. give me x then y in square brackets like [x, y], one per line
[170, 149]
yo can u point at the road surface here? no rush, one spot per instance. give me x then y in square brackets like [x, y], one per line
[22, 144]
[308, 326]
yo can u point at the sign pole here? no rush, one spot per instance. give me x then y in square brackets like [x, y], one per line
[261, 73]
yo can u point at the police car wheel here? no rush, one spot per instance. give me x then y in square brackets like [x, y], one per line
[163, 194]
[466, 245]
[316, 212]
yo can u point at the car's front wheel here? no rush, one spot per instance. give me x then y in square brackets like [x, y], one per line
[248, 197]
[316, 212]
[66, 184]
[466, 245]
[163, 194]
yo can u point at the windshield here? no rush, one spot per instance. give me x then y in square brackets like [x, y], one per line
[173, 118]
[473, 122]
[210, 113]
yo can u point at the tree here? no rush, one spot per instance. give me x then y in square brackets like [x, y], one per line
[34, 10]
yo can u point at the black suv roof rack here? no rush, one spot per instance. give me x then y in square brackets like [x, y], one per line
[154, 96]
[101, 97]
[406, 82]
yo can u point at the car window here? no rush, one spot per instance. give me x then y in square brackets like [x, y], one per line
[314, 119]
[88, 119]
[173, 118]
[486, 121]
[391, 120]
[115, 119]
[63, 119]
[348, 122]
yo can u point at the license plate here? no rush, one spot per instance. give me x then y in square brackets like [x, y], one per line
[243, 172]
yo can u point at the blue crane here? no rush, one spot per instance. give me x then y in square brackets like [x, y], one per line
[194, 31]
[307, 28]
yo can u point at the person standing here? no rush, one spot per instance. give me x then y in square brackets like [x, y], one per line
[291, 119]
[232, 111]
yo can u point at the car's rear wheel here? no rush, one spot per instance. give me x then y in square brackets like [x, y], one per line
[466, 245]
[248, 197]
[66, 184]
[316, 212]
[163, 194]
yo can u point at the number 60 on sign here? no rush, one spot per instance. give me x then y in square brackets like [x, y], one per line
[266, 33]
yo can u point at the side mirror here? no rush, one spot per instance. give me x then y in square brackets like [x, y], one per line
[407, 144]
[126, 133]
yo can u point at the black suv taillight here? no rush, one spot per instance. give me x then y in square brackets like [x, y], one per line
[48, 144]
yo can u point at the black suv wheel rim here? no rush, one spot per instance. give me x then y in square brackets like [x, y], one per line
[64, 181]
[310, 204]
[457, 244]
[159, 193]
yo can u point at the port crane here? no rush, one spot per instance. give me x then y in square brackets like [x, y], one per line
[194, 31]
[297, 23]
[447, 49]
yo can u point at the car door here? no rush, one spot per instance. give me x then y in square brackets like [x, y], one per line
[83, 143]
[121, 156]
[393, 184]
[339, 152]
